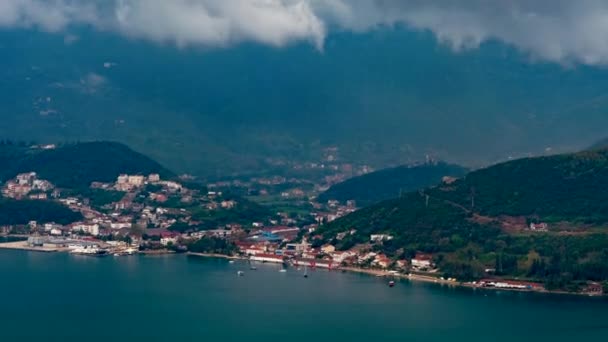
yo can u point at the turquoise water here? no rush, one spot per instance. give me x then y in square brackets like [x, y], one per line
[59, 297]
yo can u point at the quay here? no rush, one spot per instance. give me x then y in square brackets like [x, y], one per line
[24, 246]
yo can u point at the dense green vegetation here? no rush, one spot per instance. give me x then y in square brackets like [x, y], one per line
[21, 212]
[446, 221]
[390, 183]
[555, 188]
[212, 245]
[244, 212]
[415, 225]
[99, 197]
[11, 153]
[77, 165]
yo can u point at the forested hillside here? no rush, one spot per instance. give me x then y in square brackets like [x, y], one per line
[21, 212]
[468, 224]
[565, 187]
[77, 165]
[389, 183]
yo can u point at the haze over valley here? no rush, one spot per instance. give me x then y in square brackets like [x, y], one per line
[385, 94]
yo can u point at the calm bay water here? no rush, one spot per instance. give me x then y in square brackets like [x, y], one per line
[59, 297]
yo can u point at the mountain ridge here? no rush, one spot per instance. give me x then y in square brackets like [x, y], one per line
[77, 165]
[388, 183]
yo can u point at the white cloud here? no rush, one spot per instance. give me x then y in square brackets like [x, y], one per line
[49, 15]
[557, 30]
[182, 22]
[562, 31]
[211, 22]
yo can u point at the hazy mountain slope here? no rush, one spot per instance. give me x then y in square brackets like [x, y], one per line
[386, 97]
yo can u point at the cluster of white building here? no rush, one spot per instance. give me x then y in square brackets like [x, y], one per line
[126, 182]
[25, 184]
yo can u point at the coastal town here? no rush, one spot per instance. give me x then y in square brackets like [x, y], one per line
[271, 219]
[147, 214]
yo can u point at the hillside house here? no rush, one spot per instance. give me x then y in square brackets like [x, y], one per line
[380, 237]
[167, 238]
[539, 227]
[422, 261]
[382, 261]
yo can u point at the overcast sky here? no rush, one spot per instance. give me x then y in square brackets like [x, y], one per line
[563, 31]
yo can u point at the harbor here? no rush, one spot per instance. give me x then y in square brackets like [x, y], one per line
[24, 246]
[45, 244]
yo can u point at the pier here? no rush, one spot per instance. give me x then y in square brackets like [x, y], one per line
[23, 245]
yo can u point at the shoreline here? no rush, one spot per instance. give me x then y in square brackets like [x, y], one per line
[22, 246]
[434, 280]
[417, 278]
[215, 255]
[19, 246]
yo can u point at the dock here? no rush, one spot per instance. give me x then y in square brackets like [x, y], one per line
[23, 246]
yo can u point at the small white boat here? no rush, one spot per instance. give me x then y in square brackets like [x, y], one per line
[282, 270]
[231, 262]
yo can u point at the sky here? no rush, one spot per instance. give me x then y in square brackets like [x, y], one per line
[560, 31]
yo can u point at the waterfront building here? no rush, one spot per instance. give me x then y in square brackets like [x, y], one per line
[422, 261]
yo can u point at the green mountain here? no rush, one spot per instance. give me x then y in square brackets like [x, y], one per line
[389, 183]
[554, 188]
[77, 165]
[479, 221]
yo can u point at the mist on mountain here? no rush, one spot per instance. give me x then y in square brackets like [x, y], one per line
[386, 97]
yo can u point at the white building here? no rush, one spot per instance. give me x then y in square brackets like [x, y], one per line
[26, 178]
[539, 227]
[50, 226]
[56, 232]
[122, 179]
[339, 257]
[167, 239]
[422, 261]
[92, 229]
[120, 225]
[136, 181]
[380, 237]
[42, 185]
[172, 186]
